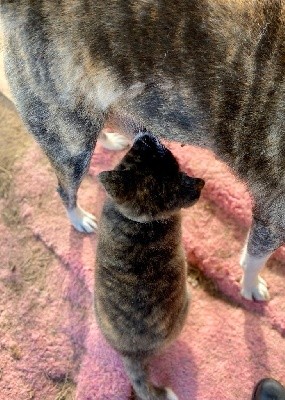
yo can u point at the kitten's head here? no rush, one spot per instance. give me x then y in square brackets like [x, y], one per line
[148, 184]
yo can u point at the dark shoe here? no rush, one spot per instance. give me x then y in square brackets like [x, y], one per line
[268, 389]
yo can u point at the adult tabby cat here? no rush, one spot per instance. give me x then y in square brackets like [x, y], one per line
[141, 298]
[205, 72]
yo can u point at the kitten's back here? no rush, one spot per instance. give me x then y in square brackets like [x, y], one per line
[143, 266]
[141, 297]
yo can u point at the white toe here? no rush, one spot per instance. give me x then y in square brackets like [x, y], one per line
[82, 220]
[114, 141]
[258, 292]
[171, 395]
[253, 287]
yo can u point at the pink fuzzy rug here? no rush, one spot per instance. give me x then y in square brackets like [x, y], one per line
[226, 345]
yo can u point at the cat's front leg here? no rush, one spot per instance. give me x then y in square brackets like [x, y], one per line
[261, 243]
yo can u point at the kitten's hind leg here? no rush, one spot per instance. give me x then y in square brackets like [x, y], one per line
[261, 243]
[137, 372]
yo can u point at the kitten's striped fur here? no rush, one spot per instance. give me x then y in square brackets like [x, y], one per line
[141, 298]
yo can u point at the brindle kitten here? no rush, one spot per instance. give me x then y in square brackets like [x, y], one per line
[141, 296]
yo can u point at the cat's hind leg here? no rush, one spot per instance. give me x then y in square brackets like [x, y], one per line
[261, 243]
[137, 372]
[68, 138]
[71, 161]
[253, 286]
[113, 140]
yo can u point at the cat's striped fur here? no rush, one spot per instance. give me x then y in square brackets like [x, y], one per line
[205, 72]
[141, 297]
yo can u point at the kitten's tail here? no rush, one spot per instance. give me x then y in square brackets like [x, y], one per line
[137, 371]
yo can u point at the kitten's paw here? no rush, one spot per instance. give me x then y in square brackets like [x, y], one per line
[114, 141]
[82, 220]
[170, 394]
[257, 292]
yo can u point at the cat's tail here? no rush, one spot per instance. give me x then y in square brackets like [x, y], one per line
[137, 371]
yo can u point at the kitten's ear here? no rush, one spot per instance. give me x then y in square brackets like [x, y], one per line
[116, 183]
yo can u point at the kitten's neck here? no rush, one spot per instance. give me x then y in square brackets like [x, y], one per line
[147, 219]
[125, 228]
[144, 220]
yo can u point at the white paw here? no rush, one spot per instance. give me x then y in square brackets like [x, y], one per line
[257, 291]
[82, 220]
[170, 394]
[114, 141]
